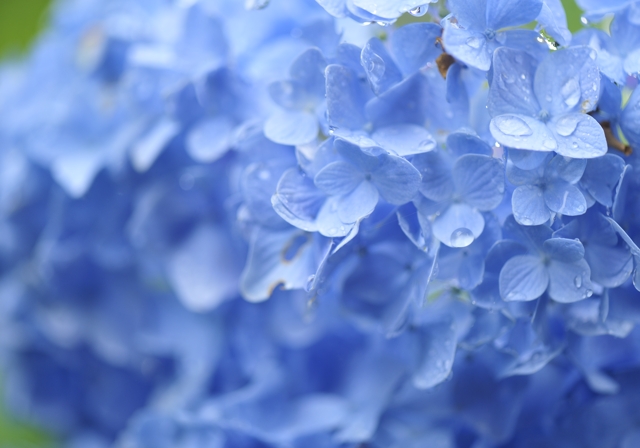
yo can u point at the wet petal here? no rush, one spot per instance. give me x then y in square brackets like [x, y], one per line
[523, 278]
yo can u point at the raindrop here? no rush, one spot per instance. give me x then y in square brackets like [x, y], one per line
[566, 125]
[256, 4]
[332, 231]
[310, 280]
[264, 175]
[588, 293]
[574, 144]
[571, 92]
[577, 281]
[523, 76]
[426, 145]
[584, 20]
[512, 126]
[461, 237]
[376, 68]
[474, 42]
[550, 144]
[419, 11]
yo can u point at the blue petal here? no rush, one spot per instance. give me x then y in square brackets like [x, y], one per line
[308, 70]
[75, 172]
[400, 104]
[291, 128]
[358, 204]
[468, 46]
[346, 98]
[507, 13]
[523, 278]
[526, 160]
[438, 350]
[147, 149]
[463, 142]
[339, 178]
[298, 197]
[209, 140]
[289, 94]
[610, 266]
[529, 206]
[569, 170]
[379, 67]
[365, 161]
[437, 183]
[564, 198]
[203, 270]
[329, 223]
[414, 227]
[601, 176]
[554, 21]
[532, 237]
[525, 176]
[523, 132]
[396, 179]
[568, 81]
[479, 180]
[414, 45]
[578, 136]
[404, 139]
[569, 282]
[564, 249]
[458, 225]
[511, 89]
[471, 14]
[269, 264]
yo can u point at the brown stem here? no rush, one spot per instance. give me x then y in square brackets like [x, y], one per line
[613, 141]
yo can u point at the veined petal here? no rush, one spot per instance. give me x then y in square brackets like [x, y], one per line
[458, 226]
[339, 178]
[529, 207]
[564, 198]
[479, 180]
[359, 203]
[569, 282]
[523, 278]
[396, 179]
[291, 127]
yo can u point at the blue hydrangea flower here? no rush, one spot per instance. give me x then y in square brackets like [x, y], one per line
[544, 108]
[548, 189]
[551, 264]
[476, 28]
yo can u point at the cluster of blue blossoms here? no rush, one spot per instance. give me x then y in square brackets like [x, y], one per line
[241, 224]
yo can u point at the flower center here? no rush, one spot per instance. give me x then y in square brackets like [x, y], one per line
[489, 34]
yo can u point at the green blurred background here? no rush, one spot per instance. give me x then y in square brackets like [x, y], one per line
[20, 22]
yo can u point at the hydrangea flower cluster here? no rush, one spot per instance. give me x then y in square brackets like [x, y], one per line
[241, 224]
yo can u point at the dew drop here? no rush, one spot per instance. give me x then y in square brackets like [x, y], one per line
[584, 20]
[571, 92]
[574, 144]
[566, 126]
[310, 281]
[256, 4]
[332, 231]
[577, 281]
[461, 237]
[588, 293]
[512, 126]
[550, 144]
[523, 76]
[264, 175]
[376, 68]
[474, 42]
[419, 11]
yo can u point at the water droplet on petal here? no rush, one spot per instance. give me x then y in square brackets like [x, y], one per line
[584, 20]
[566, 125]
[310, 281]
[256, 4]
[461, 237]
[376, 68]
[550, 144]
[571, 92]
[474, 42]
[512, 126]
[577, 281]
[419, 11]
[588, 293]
